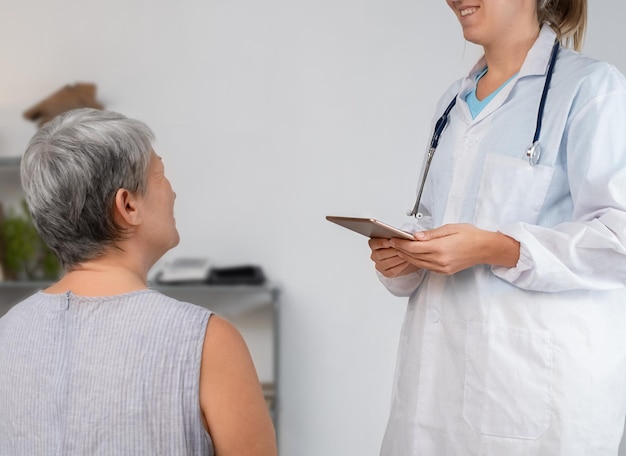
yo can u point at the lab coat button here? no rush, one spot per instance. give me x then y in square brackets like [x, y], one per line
[433, 315]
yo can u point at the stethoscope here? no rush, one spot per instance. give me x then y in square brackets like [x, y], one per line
[533, 153]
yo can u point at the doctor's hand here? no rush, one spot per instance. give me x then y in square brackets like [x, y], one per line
[387, 260]
[455, 247]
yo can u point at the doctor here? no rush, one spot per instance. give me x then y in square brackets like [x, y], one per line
[514, 340]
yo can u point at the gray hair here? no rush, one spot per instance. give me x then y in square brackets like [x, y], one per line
[71, 172]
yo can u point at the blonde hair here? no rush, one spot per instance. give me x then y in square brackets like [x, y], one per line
[568, 18]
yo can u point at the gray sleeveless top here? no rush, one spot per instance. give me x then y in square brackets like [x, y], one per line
[117, 375]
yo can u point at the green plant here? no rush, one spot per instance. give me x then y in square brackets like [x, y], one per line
[23, 254]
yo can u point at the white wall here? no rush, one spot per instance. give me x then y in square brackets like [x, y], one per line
[270, 115]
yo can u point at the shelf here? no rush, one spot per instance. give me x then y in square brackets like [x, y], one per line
[227, 300]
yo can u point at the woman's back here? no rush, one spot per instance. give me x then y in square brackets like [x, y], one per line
[102, 375]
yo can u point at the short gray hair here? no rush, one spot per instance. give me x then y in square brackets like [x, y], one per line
[71, 172]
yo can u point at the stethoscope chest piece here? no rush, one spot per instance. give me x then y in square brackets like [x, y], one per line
[534, 153]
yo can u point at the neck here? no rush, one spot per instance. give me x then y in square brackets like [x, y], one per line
[105, 276]
[504, 59]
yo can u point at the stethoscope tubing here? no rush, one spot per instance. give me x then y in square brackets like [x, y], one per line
[532, 153]
[434, 142]
[544, 93]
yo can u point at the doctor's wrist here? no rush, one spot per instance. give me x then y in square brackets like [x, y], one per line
[502, 250]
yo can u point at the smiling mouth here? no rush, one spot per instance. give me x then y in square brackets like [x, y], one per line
[468, 11]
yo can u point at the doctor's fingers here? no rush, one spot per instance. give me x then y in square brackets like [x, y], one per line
[386, 259]
[447, 238]
[383, 254]
[443, 263]
[416, 247]
[394, 267]
[378, 243]
[444, 230]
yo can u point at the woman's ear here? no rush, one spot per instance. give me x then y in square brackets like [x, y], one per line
[126, 208]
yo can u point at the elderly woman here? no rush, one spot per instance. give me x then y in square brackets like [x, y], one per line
[98, 363]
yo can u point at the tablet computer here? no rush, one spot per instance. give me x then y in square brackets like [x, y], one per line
[370, 227]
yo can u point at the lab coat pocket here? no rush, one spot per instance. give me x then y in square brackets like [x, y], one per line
[510, 191]
[508, 381]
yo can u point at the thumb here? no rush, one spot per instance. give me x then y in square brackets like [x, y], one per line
[435, 233]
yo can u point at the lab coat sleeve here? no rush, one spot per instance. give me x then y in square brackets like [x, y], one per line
[588, 252]
[404, 285]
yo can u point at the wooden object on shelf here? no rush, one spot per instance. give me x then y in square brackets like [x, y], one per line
[79, 95]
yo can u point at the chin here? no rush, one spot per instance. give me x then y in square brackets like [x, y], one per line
[471, 38]
[173, 242]
[176, 240]
[472, 35]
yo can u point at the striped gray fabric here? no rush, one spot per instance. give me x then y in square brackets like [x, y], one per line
[102, 376]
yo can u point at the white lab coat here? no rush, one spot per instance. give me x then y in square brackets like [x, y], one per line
[529, 360]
